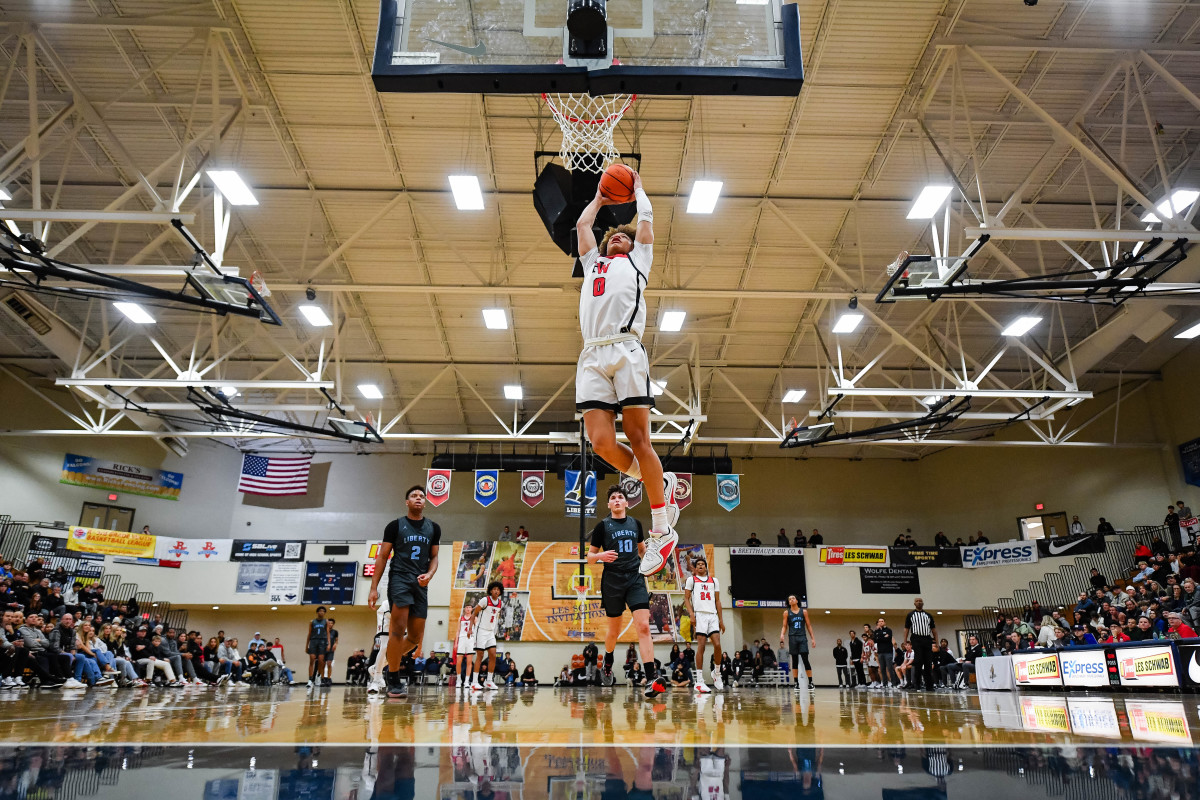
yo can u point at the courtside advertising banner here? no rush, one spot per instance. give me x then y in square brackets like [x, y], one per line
[1158, 721]
[487, 486]
[170, 549]
[266, 550]
[1094, 716]
[533, 486]
[1083, 667]
[1077, 545]
[729, 491]
[996, 555]
[1036, 669]
[437, 486]
[850, 556]
[1147, 665]
[1047, 714]
[111, 543]
[1189, 663]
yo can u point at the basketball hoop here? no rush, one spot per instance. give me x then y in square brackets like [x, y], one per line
[581, 584]
[895, 265]
[587, 125]
[259, 284]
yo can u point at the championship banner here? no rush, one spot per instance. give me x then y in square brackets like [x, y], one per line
[632, 489]
[437, 486]
[533, 487]
[541, 603]
[995, 555]
[266, 550]
[169, 549]
[683, 489]
[487, 486]
[925, 557]
[1077, 545]
[729, 491]
[855, 556]
[97, 473]
[287, 582]
[571, 492]
[111, 543]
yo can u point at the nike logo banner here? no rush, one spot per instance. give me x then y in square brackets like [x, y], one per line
[1080, 544]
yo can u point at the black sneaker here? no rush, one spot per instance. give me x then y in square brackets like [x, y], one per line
[655, 688]
[608, 679]
[392, 681]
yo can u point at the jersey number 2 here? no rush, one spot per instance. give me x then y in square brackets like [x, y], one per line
[416, 552]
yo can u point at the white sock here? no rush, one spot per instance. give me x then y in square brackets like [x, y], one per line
[658, 519]
[634, 470]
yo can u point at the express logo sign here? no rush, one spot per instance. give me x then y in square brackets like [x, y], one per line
[988, 555]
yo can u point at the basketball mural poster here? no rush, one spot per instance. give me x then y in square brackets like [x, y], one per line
[487, 486]
[549, 607]
[507, 561]
[533, 486]
[437, 486]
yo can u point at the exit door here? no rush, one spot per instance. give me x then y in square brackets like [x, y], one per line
[113, 518]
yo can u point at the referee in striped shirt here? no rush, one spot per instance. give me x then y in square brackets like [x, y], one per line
[921, 630]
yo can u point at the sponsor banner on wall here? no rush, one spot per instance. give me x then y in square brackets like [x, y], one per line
[437, 486]
[1047, 714]
[889, 580]
[487, 486]
[572, 486]
[729, 491]
[98, 473]
[167, 548]
[766, 551]
[996, 555]
[253, 578]
[147, 562]
[1079, 544]
[1083, 667]
[265, 550]
[1147, 665]
[1189, 664]
[1094, 716]
[925, 556]
[1036, 669]
[855, 556]
[287, 583]
[111, 543]
[55, 546]
[1158, 721]
[533, 486]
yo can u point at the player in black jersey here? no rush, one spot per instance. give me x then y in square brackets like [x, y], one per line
[415, 541]
[618, 542]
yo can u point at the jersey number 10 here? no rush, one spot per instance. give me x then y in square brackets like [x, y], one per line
[624, 545]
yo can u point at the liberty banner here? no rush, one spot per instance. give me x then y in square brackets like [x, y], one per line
[437, 486]
[97, 473]
[571, 492]
[487, 486]
[533, 486]
[683, 489]
[729, 491]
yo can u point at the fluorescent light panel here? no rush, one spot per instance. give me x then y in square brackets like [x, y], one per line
[495, 319]
[232, 187]
[793, 395]
[513, 391]
[4, 195]
[370, 391]
[467, 195]
[1021, 326]
[657, 387]
[929, 201]
[228, 391]
[672, 320]
[847, 323]
[315, 316]
[1180, 201]
[704, 196]
[135, 313]
[1190, 333]
[751, 2]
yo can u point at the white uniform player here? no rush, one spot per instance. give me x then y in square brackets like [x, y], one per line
[466, 637]
[383, 619]
[711, 784]
[485, 626]
[702, 601]
[704, 594]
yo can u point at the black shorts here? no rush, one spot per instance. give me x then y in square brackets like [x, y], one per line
[615, 789]
[797, 646]
[317, 647]
[619, 591]
[407, 593]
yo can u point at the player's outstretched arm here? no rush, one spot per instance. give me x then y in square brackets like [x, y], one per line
[645, 213]
[783, 630]
[587, 218]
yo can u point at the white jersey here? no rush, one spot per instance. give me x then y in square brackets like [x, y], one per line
[464, 628]
[489, 614]
[612, 299]
[711, 785]
[704, 593]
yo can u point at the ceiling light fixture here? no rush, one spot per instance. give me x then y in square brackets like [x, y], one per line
[1190, 333]
[513, 391]
[4, 195]
[135, 313]
[231, 186]
[467, 195]
[1021, 326]
[1179, 202]
[370, 391]
[672, 320]
[657, 387]
[495, 319]
[704, 197]
[228, 391]
[315, 316]
[847, 323]
[929, 201]
[793, 395]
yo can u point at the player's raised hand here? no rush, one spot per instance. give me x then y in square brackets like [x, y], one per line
[608, 556]
[637, 180]
[600, 199]
[373, 599]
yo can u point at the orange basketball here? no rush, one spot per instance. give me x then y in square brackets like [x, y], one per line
[617, 183]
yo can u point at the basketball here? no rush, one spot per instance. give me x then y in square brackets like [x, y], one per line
[617, 183]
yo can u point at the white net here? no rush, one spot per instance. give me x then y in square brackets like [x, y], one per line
[587, 124]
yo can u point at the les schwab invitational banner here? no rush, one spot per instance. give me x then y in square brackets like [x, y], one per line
[540, 601]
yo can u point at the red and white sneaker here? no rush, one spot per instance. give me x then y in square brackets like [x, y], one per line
[655, 688]
[659, 547]
[701, 688]
[670, 482]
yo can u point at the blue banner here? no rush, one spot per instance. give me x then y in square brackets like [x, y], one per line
[729, 491]
[571, 479]
[487, 486]
[1189, 454]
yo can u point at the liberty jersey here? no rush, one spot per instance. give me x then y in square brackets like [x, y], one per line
[489, 614]
[412, 544]
[611, 301]
[704, 593]
[622, 535]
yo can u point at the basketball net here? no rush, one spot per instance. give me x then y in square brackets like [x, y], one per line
[259, 284]
[582, 584]
[587, 125]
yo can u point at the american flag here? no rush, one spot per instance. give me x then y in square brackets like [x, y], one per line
[263, 475]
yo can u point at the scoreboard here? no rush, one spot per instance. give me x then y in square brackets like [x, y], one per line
[330, 583]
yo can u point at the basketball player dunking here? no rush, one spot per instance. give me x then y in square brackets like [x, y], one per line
[703, 600]
[415, 540]
[613, 373]
[618, 542]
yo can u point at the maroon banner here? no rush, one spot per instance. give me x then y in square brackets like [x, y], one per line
[683, 489]
[632, 487]
[533, 486]
[437, 486]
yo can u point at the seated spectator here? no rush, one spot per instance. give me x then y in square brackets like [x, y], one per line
[1141, 552]
[511, 678]
[676, 656]
[680, 678]
[1105, 527]
[981, 539]
[522, 534]
[781, 539]
[1143, 631]
[356, 669]
[154, 659]
[941, 540]
[1062, 639]
[959, 542]
[1045, 636]
[636, 676]
[1116, 634]
[753, 541]
[230, 660]
[816, 539]
[1098, 580]
[564, 677]
[966, 664]
[945, 667]
[1158, 547]
[903, 665]
[799, 540]
[528, 678]
[258, 665]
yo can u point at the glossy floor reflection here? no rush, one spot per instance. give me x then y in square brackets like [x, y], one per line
[437, 716]
[482, 772]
